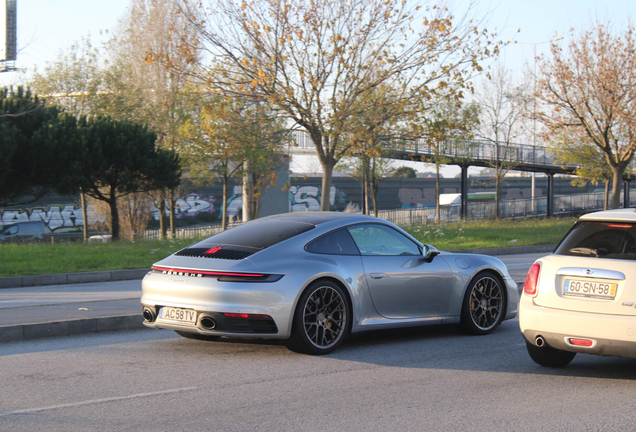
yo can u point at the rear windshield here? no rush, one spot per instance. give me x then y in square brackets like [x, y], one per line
[614, 240]
[258, 234]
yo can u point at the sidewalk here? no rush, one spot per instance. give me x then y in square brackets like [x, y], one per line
[109, 301]
[63, 310]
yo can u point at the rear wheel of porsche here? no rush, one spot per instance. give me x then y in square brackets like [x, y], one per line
[483, 306]
[197, 336]
[550, 357]
[322, 319]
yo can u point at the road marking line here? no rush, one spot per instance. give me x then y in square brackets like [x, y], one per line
[94, 401]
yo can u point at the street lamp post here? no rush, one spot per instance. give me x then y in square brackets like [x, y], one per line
[534, 103]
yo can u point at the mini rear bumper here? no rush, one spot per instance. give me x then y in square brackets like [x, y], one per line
[612, 335]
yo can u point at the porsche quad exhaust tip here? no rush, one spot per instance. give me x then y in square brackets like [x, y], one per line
[208, 323]
[149, 314]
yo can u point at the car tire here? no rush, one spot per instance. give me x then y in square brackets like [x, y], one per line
[484, 304]
[197, 336]
[548, 356]
[322, 319]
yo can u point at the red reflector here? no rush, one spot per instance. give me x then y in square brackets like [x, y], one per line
[213, 250]
[530, 286]
[211, 273]
[619, 226]
[242, 315]
[581, 342]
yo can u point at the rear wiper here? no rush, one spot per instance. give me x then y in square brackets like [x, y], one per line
[585, 251]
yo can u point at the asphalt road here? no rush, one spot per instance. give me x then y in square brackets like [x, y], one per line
[434, 379]
[426, 379]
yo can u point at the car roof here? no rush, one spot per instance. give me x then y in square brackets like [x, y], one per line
[625, 215]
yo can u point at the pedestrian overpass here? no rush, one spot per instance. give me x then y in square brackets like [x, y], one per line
[467, 153]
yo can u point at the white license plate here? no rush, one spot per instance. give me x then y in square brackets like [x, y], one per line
[583, 288]
[178, 315]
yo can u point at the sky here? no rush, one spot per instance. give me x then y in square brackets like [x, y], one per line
[48, 27]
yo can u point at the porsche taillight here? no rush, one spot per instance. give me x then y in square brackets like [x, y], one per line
[530, 286]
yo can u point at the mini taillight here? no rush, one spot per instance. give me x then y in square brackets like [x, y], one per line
[530, 286]
[581, 342]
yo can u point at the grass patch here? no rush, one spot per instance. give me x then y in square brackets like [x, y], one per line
[489, 234]
[70, 257]
[44, 258]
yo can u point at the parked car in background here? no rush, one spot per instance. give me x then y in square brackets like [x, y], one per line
[582, 298]
[313, 278]
[22, 231]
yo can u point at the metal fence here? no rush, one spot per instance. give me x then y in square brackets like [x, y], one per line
[188, 232]
[563, 204]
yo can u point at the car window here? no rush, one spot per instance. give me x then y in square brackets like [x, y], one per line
[375, 239]
[335, 243]
[614, 240]
[260, 233]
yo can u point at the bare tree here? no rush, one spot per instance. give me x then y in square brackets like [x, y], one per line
[591, 90]
[313, 60]
[148, 75]
[503, 107]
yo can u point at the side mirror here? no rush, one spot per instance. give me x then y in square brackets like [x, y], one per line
[429, 253]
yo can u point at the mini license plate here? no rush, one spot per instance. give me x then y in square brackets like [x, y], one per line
[178, 315]
[583, 288]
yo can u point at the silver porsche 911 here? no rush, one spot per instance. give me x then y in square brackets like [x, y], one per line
[314, 278]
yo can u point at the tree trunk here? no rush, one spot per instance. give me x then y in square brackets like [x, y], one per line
[173, 227]
[84, 215]
[374, 196]
[162, 214]
[606, 196]
[114, 217]
[497, 198]
[367, 185]
[438, 210]
[617, 179]
[375, 185]
[327, 172]
[224, 206]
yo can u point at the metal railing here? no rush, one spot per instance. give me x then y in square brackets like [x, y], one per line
[476, 150]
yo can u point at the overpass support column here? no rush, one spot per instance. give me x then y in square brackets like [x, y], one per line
[463, 204]
[626, 193]
[550, 197]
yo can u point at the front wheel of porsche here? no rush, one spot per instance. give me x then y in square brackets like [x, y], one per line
[484, 304]
[322, 319]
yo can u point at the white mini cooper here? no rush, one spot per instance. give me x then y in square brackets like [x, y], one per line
[582, 298]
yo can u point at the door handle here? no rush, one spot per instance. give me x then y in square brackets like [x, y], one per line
[377, 275]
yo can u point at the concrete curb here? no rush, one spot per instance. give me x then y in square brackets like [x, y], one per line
[71, 278]
[21, 332]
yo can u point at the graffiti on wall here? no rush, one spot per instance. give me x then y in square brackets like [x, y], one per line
[190, 205]
[301, 198]
[307, 198]
[56, 217]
